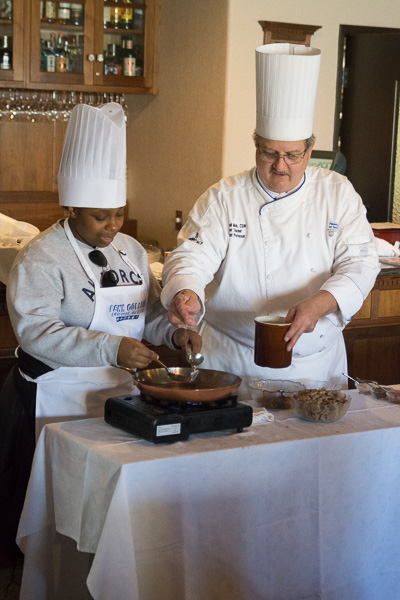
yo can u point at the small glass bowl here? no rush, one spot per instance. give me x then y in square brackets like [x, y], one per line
[276, 393]
[321, 406]
[365, 386]
[316, 384]
[393, 395]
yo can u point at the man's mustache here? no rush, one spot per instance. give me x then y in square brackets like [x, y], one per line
[273, 170]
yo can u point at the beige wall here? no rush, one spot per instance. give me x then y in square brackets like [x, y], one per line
[198, 128]
[175, 138]
[245, 33]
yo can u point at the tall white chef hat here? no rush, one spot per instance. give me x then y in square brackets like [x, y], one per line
[286, 85]
[92, 170]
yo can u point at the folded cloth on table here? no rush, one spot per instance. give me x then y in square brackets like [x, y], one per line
[13, 236]
[261, 415]
[156, 269]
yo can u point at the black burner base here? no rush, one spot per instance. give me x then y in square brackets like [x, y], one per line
[166, 422]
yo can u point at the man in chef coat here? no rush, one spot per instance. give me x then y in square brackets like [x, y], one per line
[282, 238]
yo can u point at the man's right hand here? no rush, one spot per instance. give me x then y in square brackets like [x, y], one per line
[184, 306]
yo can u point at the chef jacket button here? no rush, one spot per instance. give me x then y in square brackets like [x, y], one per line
[309, 235]
[313, 269]
[322, 335]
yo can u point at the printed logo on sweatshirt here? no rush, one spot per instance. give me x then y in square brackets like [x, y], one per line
[121, 277]
[89, 293]
[237, 230]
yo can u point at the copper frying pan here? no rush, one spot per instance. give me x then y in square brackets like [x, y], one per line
[207, 387]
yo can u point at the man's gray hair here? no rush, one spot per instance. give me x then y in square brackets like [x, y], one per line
[309, 142]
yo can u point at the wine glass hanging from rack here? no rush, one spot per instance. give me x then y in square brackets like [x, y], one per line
[43, 105]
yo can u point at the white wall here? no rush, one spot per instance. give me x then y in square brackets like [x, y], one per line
[198, 128]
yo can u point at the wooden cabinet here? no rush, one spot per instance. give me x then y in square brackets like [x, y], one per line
[83, 47]
[293, 33]
[373, 336]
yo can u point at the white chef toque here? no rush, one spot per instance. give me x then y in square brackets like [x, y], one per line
[286, 86]
[92, 171]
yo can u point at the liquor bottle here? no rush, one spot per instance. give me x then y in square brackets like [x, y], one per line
[5, 61]
[75, 56]
[138, 50]
[126, 18]
[49, 58]
[63, 13]
[112, 65]
[138, 19]
[76, 17]
[6, 9]
[61, 57]
[107, 17]
[128, 58]
[50, 12]
[115, 18]
[5, 54]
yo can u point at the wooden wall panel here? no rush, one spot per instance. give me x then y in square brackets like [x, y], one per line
[30, 155]
[365, 310]
[389, 304]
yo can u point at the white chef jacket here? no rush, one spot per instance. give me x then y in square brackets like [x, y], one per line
[246, 254]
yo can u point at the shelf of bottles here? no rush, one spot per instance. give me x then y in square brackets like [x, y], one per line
[61, 37]
[123, 38]
[36, 105]
[6, 30]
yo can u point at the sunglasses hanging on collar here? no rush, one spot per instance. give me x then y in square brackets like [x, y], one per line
[108, 278]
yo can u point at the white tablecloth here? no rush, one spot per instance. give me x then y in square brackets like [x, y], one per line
[287, 510]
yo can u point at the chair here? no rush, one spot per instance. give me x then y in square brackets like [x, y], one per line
[328, 159]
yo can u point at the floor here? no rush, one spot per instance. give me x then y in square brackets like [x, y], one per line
[10, 577]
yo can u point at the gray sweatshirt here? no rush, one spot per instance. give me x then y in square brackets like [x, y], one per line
[51, 301]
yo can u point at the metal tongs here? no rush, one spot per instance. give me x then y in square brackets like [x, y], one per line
[368, 386]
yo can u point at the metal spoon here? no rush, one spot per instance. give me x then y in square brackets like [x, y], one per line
[194, 358]
[364, 386]
[173, 376]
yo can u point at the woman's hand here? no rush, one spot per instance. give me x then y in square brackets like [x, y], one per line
[134, 355]
[187, 339]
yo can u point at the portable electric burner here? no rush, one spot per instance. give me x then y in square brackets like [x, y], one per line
[160, 421]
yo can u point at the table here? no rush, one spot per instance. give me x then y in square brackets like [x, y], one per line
[285, 510]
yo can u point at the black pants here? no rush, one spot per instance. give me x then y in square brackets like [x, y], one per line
[17, 447]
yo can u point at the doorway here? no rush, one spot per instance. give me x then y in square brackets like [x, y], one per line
[368, 69]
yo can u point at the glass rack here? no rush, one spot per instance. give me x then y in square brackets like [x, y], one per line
[37, 105]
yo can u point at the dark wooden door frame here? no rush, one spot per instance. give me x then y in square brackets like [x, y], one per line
[348, 36]
[345, 30]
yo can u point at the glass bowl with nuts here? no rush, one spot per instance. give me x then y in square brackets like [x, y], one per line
[320, 405]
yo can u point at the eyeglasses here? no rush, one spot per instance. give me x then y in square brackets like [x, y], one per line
[108, 277]
[271, 157]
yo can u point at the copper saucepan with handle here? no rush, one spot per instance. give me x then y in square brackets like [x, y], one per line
[208, 386]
